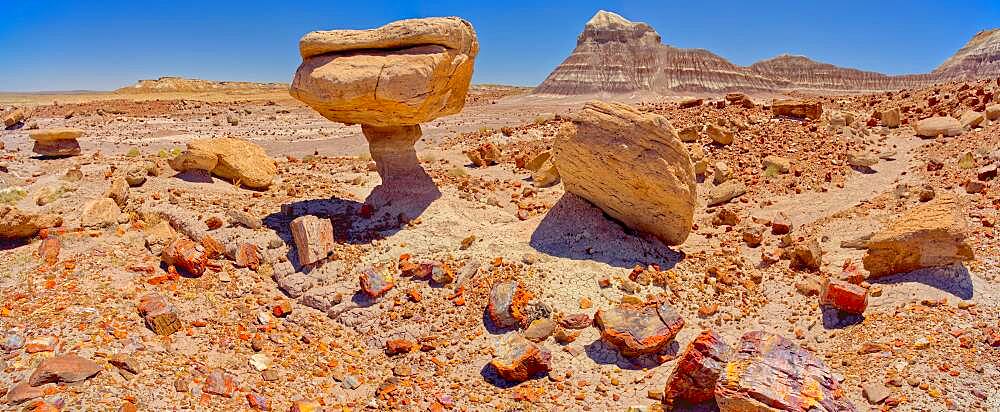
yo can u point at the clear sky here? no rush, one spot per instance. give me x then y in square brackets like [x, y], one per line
[102, 45]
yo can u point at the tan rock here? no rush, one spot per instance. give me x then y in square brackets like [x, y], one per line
[237, 160]
[313, 238]
[404, 73]
[689, 134]
[781, 164]
[931, 234]
[797, 108]
[12, 117]
[16, 224]
[971, 119]
[721, 172]
[993, 112]
[50, 135]
[118, 191]
[546, 176]
[938, 126]
[102, 212]
[891, 117]
[392, 150]
[726, 191]
[538, 161]
[720, 134]
[631, 165]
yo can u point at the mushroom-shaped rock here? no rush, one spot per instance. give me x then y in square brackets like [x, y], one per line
[639, 330]
[632, 165]
[56, 142]
[389, 80]
[770, 373]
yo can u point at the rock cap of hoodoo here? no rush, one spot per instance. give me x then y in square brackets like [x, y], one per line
[404, 73]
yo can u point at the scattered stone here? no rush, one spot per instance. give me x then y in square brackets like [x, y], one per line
[875, 392]
[220, 383]
[183, 254]
[844, 296]
[770, 373]
[258, 402]
[739, 99]
[248, 256]
[721, 172]
[239, 217]
[100, 213]
[988, 172]
[601, 150]
[797, 109]
[375, 284]
[306, 406]
[971, 119]
[864, 160]
[689, 134]
[136, 174]
[693, 379]
[518, 359]
[806, 255]
[12, 118]
[781, 224]
[507, 304]
[725, 217]
[891, 117]
[690, 102]
[938, 126]
[486, 154]
[313, 238]
[931, 234]
[993, 112]
[780, 164]
[719, 134]
[539, 330]
[159, 315]
[753, 236]
[48, 250]
[726, 191]
[639, 330]
[63, 369]
[546, 175]
[118, 191]
[576, 321]
[23, 392]
[399, 346]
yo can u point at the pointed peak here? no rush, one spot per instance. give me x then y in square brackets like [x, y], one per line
[607, 19]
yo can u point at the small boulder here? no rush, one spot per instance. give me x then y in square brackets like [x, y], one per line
[890, 117]
[931, 234]
[159, 315]
[844, 296]
[236, 160]
[16, 224]
[971, 119]
[726, 191]
[993, 112]
[517, 359]
[313, 238]
[57, 142]
[938, 126]
[63, 369]
[719, 134]
[100, 213]
[689, 134]
[639, 330]
[797, 108]
[777, 163]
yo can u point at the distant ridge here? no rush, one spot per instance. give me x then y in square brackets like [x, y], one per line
[169, 84]
[614, 55]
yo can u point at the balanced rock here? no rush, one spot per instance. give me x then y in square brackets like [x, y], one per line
[232, 159]
[404, 73]
[770, 373]
[57, 142]
[938, 126]
[639, 330]
[797, 108]
[518, 359]
[631, 165]
[693, 379]
[16, 224]
[931, 234]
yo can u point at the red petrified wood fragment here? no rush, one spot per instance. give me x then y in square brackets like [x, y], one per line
[183, 254]
[845, 296]
[158, 314]
[639, 330]
[770, 373]
[518, 359]
[693, 380]
[374, 284]
[507, 302]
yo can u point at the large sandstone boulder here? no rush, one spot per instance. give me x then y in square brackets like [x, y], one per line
[631, 165]
[931, 234]
[797, 108]
[16, 224]
[404, 73]
[770, 373]
[236, 160]
[938, 126]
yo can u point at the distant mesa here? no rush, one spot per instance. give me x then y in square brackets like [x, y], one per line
[617, 56]
[182, 85]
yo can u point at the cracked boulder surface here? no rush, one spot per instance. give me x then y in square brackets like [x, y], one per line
[639, 330]
[404, 73]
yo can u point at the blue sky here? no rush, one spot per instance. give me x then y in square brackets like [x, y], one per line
[102, 45]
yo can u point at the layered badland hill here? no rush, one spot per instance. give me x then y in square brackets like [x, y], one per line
[615, 55]
[182, 85]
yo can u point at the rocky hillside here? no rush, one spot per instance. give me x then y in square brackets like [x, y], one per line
[614, 55]
[182, 85]
[978, 59]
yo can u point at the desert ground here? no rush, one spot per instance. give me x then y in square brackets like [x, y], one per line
[928, 339]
